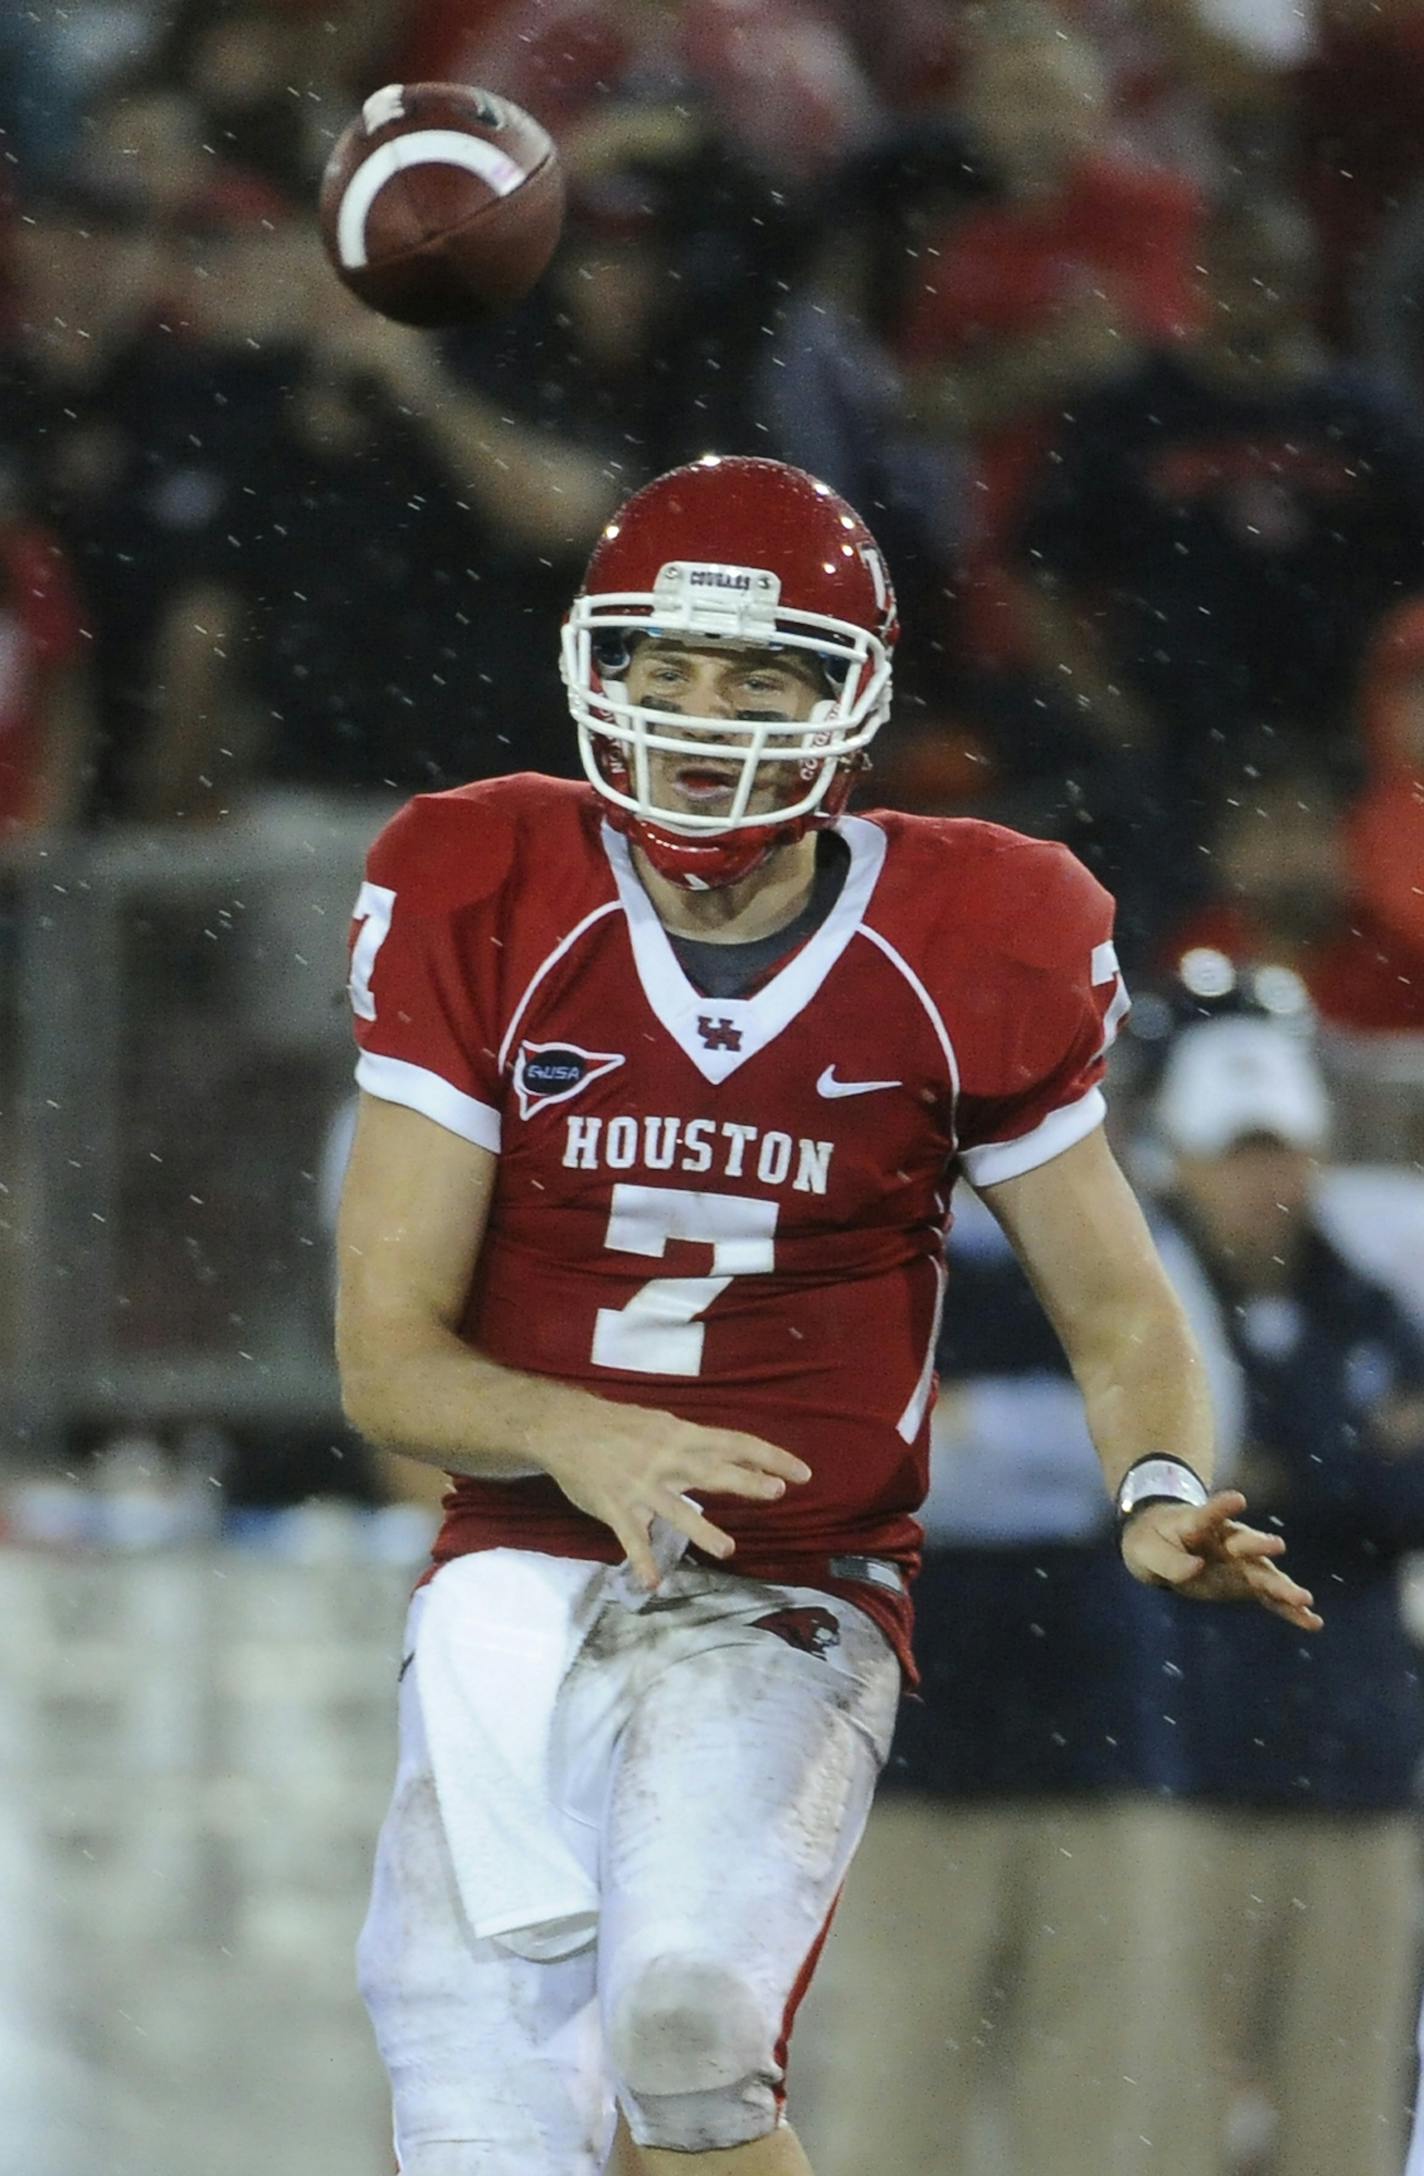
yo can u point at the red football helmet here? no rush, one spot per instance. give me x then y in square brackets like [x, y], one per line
[744, 552]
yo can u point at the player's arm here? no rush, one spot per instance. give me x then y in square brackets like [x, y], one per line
[413, 1215]
[544, 492]
[1076, 1226]
[204, 740]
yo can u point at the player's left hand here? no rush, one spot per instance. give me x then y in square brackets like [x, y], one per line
[1205, 1553]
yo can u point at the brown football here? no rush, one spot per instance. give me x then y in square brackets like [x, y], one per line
[441, 204]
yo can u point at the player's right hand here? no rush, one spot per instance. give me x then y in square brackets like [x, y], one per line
[643, 1465]
[1204, 1552]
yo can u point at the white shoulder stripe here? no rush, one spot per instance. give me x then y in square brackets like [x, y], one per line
[935, 1017]
[1060, 1130]
[396, 1080]
[610, 906]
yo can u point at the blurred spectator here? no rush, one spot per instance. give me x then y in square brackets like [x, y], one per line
[316, 643]
[1033, 1964]
[54, 65]
[666, 305]
[633, 347]
[1374, 1214]
[554, 57]
[673, 306]
[359, 608]
[1233, 40]
[86, 271]
[778, 81]
[829, 394]
[783, 83]
[144, 141]
[239, 70]
[1240, 59]
[172, 421]
[1299, 1765]
[1282, 892]
[264, 77]
[46, 721]
[1217, 533]
[39, 97]
[1322, 883]
[261, 443]
[1387, 317]
[1084, 253]
[1360, 107]
[1385, 835]
[911, 51]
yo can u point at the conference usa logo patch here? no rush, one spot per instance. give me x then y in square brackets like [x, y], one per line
[546, 1073]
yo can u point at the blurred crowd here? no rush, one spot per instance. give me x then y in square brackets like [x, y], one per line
[1106, 313]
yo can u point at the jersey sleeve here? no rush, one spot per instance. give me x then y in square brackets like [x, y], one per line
[1035, 1091]
[424, 977]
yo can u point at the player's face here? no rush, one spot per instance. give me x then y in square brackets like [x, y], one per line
[738, 683]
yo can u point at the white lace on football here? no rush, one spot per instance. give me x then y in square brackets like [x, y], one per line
[708, 603]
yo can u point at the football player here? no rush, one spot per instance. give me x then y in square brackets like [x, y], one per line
[666, 1083]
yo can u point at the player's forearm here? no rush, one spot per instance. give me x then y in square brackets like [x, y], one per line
[546, 493]
[425, 1393]
[1145, 1388]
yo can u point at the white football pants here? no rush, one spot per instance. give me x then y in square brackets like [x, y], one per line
[714, 1775]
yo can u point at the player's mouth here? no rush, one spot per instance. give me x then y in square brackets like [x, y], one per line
[702, 783]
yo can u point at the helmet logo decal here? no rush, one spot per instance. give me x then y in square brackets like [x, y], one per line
[711, 598]
[719, 578]
[718, 1034]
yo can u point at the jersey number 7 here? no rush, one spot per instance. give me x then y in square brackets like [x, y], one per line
[658, 1332]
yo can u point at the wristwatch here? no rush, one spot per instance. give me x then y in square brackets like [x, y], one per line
[1157, 1479]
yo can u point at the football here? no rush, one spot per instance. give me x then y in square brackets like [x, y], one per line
[441, 204]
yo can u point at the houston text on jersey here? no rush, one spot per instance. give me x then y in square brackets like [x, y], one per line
[731, 1150]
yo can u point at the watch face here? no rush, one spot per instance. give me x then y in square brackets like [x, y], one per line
[1159, 1480]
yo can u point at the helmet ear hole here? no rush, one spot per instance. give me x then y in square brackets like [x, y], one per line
[612, 653]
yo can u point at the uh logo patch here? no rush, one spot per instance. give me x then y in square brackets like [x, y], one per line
[546, 1073]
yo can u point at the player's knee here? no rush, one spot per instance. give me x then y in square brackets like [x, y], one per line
[689, 2047]
[685, 2022]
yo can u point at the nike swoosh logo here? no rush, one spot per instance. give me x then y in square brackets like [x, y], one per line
[828, 1085]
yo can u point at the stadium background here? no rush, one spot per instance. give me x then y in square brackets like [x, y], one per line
[268, 565]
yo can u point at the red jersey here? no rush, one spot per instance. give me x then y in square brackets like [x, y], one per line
[732, 1209]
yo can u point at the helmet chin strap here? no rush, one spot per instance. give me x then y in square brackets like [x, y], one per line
[708, 865]
[702, 865]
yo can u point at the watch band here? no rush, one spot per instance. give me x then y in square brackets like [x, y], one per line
[1156, 1479]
